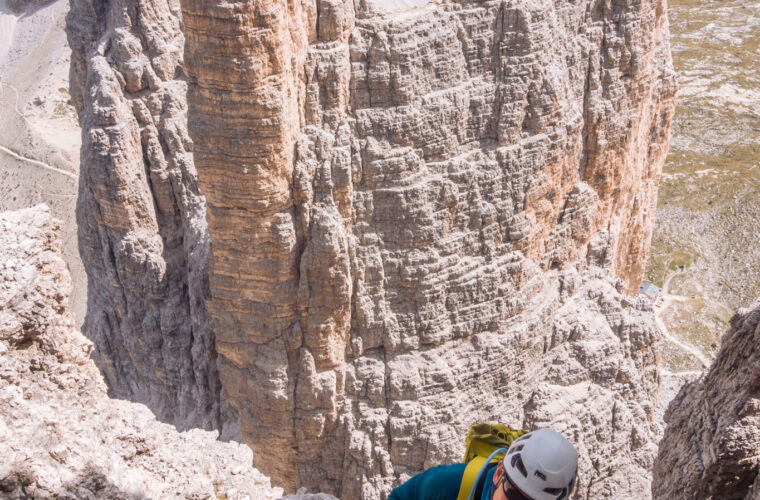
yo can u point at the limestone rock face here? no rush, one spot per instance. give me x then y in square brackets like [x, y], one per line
[710, 446]
[142, 227]
[415, 221]
[391, 197]
[60, 435]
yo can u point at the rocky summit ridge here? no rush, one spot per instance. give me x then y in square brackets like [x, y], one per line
[343, 233]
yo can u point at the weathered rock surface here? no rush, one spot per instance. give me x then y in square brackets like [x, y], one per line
[60, 435]
[414, 219]
[386, 190]
[712, 440]
[142, 227]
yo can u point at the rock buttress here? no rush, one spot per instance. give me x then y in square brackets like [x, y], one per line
[245, 62]
[142, 222]
[413, 220]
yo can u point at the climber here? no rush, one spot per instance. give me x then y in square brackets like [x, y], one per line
[540, 465]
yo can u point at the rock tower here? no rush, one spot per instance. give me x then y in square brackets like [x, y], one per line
[346, 232]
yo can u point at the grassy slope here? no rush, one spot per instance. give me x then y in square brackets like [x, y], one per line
[709, 201]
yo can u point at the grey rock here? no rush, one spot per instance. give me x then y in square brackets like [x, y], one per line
[141, 219]
[413, 199]
[60, 434]
[711, 442]
[416, 221]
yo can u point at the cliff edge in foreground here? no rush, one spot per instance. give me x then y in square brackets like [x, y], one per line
[711, 442]
[60, 434]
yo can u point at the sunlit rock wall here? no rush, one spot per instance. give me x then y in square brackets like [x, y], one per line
[391, 201]
[415, 221]
[142, 220]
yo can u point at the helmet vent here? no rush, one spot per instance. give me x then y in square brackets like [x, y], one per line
[519, 465]
[515, 449]
[540, 474]
[560, 493]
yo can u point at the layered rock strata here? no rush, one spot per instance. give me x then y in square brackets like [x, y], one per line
[60, 435]
[711, 442]
[387, 192]
[414, 219]
[142, 227]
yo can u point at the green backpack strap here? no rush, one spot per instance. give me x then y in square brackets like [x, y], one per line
[482, 440]
[470, 474]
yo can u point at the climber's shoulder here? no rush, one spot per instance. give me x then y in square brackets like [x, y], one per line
[437, 483]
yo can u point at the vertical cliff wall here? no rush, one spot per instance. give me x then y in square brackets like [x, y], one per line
[386, 192]
[244, 60]
[415, 218]
[142, 228]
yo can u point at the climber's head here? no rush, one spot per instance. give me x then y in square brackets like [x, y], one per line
[540, 465]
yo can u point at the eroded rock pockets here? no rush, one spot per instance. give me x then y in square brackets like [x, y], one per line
[400, 208]
[710, 446]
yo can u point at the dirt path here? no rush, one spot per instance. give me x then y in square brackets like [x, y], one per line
[660, 308]
[37, 163]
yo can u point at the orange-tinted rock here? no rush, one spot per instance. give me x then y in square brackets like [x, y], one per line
[386, 186]
[415, 220]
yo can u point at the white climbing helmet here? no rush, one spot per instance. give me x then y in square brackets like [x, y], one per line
[542, 465]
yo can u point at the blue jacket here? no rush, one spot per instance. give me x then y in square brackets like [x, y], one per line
[440, 483]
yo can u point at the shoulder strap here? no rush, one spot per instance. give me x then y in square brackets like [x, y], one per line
[468, 478]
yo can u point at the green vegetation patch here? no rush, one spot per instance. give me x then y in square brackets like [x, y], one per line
[665, 260]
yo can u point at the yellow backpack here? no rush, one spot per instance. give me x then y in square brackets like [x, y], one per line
[484, 442]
